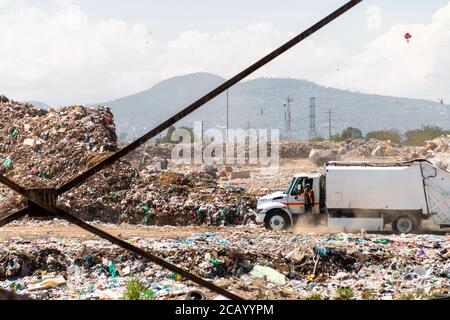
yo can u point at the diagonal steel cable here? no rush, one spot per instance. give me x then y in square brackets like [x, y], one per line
[13, 217]
[208, 97]
[12, 185]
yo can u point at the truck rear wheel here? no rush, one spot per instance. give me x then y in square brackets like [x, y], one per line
[277, 220]
[405, 224]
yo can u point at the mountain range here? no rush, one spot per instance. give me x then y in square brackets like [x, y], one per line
[260, 103]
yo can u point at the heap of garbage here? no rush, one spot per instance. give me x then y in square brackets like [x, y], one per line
[252, 263]
[41, 148]
[122, 194]
[358, 148]
[438, 152]
[45, 148]
[302, 149]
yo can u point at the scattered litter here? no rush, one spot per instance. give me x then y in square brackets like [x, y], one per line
[269, 274]
[47, 283]
[250, 261]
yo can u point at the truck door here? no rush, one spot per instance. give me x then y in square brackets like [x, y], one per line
[315, 184]
[296, 198]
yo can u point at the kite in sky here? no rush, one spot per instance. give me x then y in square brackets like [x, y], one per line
[408, 37]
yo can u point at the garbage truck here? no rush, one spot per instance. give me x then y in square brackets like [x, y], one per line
[363, 196]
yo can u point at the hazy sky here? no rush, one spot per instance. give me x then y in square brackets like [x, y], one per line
[67, 52]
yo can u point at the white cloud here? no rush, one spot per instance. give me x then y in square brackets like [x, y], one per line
[4, 3]
[64, 56]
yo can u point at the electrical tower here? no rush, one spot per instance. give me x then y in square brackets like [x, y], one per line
[312, 118]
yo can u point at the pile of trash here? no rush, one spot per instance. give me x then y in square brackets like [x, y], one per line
[9, 201]
[302, 149]
[437, 151]
[250, 262]
[122, 194]
[372, 148]
[356, 148]
[42, 148]
[321, 157]
[162, 150]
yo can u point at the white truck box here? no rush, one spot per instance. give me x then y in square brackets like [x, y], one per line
[375, 188]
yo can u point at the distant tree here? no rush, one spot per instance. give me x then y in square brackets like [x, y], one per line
[385, 135]
[420, 136]
[191, 132]
[168, 137]
[348, 134]
[335, 137]
[317, 139]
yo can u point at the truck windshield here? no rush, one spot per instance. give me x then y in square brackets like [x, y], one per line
[290, 185]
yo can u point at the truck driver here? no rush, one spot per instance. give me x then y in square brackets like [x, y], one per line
[309, 199]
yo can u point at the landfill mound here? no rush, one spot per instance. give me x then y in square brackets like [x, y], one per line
[42, 148]
[438, 152]
[121, 194]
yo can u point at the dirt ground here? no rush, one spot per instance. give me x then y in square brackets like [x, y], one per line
[59, 229]
[34, 231]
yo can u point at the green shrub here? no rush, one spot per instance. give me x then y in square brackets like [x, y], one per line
[368, 295]
[314, 296]
[347, 134]
[420, 136]
[343, 293]
[317, 139]
[137, 290]
[406, 296]
[392, 135]
[167, 139]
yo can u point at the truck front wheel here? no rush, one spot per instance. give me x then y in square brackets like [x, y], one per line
[277, 220]
[405, 224]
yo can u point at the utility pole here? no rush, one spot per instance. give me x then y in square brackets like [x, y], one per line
[329, 124]
[228, 113]
[312, 118]
[203, 131]
[262, 118]
[202, 141]
[288, 115]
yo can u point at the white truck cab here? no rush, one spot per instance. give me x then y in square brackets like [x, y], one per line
[280, 209]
